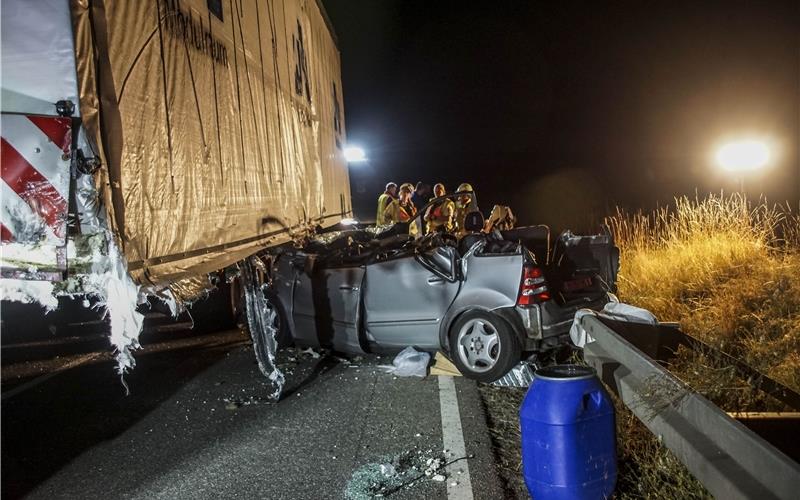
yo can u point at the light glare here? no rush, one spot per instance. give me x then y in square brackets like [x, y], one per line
[354, 154]
[743, 155]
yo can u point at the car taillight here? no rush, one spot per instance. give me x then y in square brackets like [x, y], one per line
[533, 287]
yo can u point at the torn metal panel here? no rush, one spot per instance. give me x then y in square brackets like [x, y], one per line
[88, 203]
[519, 376]
[191, 289]
[261, 323]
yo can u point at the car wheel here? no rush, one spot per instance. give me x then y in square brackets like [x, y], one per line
[483, 346]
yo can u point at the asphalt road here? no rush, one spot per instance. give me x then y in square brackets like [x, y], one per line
[197, 424]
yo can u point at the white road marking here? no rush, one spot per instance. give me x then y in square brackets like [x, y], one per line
[459, 486]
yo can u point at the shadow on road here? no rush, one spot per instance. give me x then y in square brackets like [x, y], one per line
[48, 426]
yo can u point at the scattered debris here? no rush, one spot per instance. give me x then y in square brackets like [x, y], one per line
[30, 292]
[433, 465]
[409, 363]
[381, 479]
[388, 470]
[519, 376]
[613, 310]
[234, 403]
[314, 354]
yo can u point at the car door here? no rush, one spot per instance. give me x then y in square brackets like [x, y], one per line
[405, 299]
[326, 307]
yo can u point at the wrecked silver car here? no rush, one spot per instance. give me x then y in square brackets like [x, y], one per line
[486, 301]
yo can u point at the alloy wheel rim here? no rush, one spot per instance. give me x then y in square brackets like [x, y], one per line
[478, 345]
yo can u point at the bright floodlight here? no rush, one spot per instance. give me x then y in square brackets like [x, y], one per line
[743, 155]
[354, 154]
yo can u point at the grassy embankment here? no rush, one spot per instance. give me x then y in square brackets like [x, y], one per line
[729, 272]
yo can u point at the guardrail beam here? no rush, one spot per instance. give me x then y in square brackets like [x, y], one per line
[729, 459]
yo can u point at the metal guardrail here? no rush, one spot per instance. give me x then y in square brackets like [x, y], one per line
[729, 459]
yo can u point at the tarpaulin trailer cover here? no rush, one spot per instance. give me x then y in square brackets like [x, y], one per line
[219, 124]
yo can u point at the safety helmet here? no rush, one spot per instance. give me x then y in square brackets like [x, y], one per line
[390, 185]
[464, 188]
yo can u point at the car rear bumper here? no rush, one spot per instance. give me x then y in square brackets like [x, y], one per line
[549, 320]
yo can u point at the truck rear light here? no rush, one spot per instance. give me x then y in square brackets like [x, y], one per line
[533, 287]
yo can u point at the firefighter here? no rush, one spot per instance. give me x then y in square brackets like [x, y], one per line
[420, 195]
[463, 205]
[410, 187]
[402, 209]
[383, 201]
[440, 215]
[501, 218]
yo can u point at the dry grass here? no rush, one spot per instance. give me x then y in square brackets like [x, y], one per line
[726, 269]
[502, 412]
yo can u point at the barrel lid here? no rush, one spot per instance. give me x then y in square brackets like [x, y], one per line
[565, 373]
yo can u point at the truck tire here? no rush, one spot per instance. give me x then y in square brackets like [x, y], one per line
[483, 346]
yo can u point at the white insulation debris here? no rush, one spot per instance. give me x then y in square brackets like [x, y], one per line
[29, 292]
[120, 296]
[108, 282]
[115, 291]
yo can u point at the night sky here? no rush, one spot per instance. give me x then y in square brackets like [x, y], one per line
[564, 110]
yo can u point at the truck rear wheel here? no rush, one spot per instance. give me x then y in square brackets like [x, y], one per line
[483, 346]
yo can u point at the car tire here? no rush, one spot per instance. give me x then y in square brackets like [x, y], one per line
[483, 346]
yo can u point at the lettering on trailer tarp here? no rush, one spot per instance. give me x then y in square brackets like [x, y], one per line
[184, 26]
[301, 82]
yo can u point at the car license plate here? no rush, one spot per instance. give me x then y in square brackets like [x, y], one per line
[577, 284]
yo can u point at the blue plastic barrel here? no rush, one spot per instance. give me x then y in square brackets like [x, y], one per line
[568, 435]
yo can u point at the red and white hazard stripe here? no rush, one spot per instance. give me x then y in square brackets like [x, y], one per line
[34, 157]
